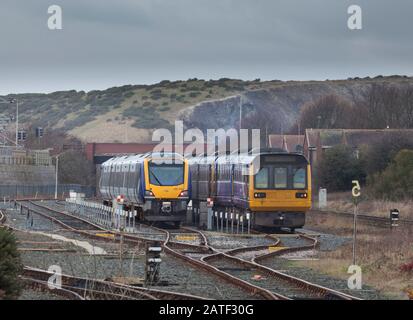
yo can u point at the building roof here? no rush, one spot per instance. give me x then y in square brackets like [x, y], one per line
[351, 137]
[117, 149]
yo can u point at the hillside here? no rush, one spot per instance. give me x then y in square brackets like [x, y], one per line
[129, 113]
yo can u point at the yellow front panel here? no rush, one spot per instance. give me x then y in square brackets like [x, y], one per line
[280, 200]
[166, 192]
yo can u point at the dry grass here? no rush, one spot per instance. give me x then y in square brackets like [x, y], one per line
[380, 252]
[342, 202]
[102, 130]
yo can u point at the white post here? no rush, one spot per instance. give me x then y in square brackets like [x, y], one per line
[17, 122]
[240, 113]
[57, 170]
[354, 233]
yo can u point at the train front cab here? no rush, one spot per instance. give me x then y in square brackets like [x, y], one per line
[166, 190]
[280, 192]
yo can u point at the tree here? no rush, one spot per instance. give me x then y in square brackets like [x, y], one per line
[383, 106]
[327, 112]
[379, 154]
[75, 168]
[10, 266]
[338, 168]
[261, 119]
[396, 181]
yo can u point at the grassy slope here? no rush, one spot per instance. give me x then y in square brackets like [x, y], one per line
[129, 113]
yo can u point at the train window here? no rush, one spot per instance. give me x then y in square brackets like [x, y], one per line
[298, 178]
[261, 179]
[280, 178]
[166, 174]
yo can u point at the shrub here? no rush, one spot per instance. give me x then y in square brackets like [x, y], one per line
[338, 168]
[396, 181]
[75, 168]
[165, 108]
[128, 94]
[10, 266]
[380, 153]
[194, 94]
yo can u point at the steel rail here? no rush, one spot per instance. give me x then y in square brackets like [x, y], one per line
[106, 289]
[311, 287]
[169, 250]
[252, 289]
[172, 248]
[364, 217]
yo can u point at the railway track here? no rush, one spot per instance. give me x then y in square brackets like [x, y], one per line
[283, 285]
[72, 222]
[171, 248]
[91, 289]
[372, 220]
[225, 265]
[242, 273]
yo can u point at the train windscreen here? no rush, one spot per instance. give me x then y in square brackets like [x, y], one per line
[299, 178]
[281, 177]
[166, 174]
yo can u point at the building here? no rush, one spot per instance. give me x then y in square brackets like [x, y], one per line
[20, 156]
[25, 172]
[316, 141]
[100, 152]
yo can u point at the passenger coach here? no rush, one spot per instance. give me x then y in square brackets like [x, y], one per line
[273, 188]
[154, 184]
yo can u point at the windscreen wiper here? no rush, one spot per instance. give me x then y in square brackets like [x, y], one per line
[156, 178]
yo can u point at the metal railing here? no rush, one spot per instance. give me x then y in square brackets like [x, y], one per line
[102, 215]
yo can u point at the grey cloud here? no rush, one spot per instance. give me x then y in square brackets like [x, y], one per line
[107, 43]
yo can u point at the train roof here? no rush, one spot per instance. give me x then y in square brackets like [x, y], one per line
[243, 158]
[138, 158]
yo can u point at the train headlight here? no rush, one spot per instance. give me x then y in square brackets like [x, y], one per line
[149, 193]
[183, 194]
[260, 195]
[301, 195]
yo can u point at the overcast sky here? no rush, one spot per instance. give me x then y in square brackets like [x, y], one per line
[111, 43]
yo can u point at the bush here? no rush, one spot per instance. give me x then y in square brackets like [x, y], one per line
[165, 108]
[396, 181]
[10, 266]
[194, 94]
[132, 112]
[75, 168]
[379, 154]
[338, 168]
